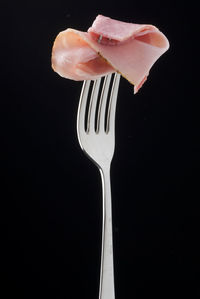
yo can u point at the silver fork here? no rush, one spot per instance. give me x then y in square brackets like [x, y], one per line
[96, 134]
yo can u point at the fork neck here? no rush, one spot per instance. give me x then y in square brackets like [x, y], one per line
[105, 172]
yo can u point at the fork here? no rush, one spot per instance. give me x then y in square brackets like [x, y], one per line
[96, 135]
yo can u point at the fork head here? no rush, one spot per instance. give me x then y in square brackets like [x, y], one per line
[96, 119]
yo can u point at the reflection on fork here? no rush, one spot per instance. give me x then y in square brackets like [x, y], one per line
[96, 135]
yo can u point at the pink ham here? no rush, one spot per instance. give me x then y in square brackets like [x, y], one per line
[108, 46]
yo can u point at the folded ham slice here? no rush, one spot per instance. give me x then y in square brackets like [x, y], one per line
[108, 46]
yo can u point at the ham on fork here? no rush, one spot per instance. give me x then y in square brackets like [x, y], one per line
[108, 46]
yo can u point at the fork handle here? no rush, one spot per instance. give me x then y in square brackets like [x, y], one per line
[107, 289]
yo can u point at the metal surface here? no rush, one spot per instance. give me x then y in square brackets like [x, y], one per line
[96, 134]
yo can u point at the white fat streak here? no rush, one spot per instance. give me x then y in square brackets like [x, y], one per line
[100, 38]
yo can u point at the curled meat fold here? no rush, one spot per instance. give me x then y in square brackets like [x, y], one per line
[108, 46]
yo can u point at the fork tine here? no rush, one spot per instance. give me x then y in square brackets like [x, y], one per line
[82, 107]
[92, 107]
[102, 104]
[110, 122]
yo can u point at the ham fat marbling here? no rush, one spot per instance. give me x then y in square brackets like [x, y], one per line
[108, 46]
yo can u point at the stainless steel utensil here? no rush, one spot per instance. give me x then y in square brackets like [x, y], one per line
[96, 134]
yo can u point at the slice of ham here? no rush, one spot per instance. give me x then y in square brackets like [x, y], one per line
[108, 46]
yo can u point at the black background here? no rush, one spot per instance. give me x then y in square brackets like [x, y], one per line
[51, 193]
